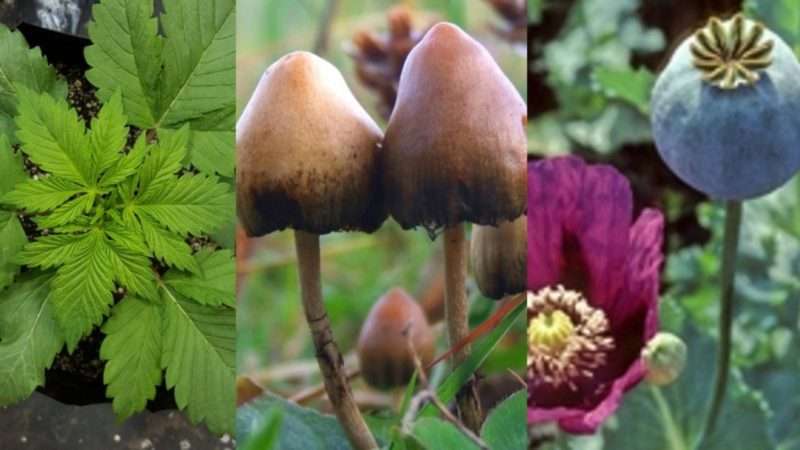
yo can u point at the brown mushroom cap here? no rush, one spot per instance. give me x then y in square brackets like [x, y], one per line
[307, 153]
[383, 351]
[499, 256]
[455, 147]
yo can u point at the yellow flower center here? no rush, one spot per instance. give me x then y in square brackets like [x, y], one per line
[550, 331]
[568, 338]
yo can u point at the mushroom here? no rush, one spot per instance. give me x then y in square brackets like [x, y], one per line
[394, 332]
[307, 159]
[455, 152]
[499, 257]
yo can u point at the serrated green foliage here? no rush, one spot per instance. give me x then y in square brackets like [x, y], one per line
[23, 66]
[186, 78]
[12, 240]
[29, 337]
[93, 246]
[215, 280]
[110, 217]
[12, 236]
[192, 204]
[54, 137]
[12, 171]
[132, 349]
[199, 359]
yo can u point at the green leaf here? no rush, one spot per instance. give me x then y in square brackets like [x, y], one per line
[213, 284]
[12, 241]
[185, 79]
[108, 134]
[480, 351]
[132, 270]
[192, 204]
[23, 66]
[42, 194]
[54, 137]
[127, 165]
[82, 288]
[12, 171]
[67, 213]
[266, 437]
[132, 349]
[211, 151]
[29, 337]
[125, 55]
[505, 427]
[671, 418]
[163, 161]
[628, 85]
[301, 428]
[780, 16]
[50, 251]
[199, 356]
[199, 60]
[434, 434]
[168, 247]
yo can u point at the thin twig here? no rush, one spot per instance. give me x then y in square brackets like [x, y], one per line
[324, 31]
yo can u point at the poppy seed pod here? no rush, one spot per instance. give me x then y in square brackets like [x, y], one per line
[726, 110]
[499, 256]
[307, 153]
[394, 323]
[455, 146]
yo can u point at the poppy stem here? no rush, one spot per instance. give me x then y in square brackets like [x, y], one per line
[730, 245]
[330, 361]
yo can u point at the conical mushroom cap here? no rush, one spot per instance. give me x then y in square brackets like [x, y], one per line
[307, 153]
[499, 257]
[455, 148]
[394, 322]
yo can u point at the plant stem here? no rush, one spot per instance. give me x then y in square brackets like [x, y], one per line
[733, 221]
[456, 313]
[328, 356]
[324, 31]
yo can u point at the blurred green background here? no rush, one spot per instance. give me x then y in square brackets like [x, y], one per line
[274, 346]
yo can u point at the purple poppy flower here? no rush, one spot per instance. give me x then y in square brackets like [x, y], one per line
[593, 280]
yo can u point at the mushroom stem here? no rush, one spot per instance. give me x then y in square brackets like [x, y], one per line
[328, 356]
[456, 313]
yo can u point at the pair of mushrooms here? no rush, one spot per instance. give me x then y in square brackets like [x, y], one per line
[310, 158]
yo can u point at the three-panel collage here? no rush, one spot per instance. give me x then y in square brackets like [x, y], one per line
[400, 224]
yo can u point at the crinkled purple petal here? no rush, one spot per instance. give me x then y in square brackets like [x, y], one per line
[578, 215]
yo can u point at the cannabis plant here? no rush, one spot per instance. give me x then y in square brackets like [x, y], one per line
[105, 226]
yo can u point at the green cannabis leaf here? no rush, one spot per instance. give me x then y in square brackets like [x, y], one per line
[92, 247]
[22, 65]
[29, 337]
[132, 348]
[186, 77]
[12, 236]
[203, 338]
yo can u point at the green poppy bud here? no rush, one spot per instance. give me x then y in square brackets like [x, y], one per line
[664, 358]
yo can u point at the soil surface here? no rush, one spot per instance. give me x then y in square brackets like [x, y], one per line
[41, 423]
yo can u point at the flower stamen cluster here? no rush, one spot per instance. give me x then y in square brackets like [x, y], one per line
[568, 339]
